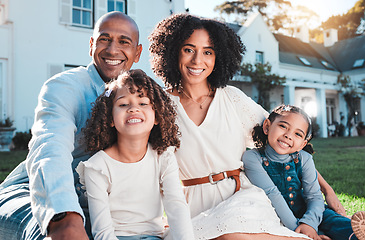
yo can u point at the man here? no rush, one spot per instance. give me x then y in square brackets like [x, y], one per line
[42, 196]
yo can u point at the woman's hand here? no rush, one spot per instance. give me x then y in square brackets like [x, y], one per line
[331, 198]
[307, 230]
[70, 227]
[334, 203]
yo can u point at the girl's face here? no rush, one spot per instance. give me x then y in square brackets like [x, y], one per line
[133, 115]
[196, 57]
[286, 134]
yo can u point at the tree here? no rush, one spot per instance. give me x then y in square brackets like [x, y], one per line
[285, 17]
[351, 92]
[347, 24]
[263, 79]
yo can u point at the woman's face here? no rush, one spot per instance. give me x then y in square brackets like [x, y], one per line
[196, 57]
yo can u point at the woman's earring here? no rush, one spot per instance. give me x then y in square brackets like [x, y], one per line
[179, 87]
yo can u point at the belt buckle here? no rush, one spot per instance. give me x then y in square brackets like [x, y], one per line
[210, 177]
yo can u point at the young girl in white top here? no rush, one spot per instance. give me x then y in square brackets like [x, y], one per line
[133, 176]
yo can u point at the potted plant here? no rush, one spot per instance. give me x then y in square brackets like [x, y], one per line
[6, 134]
[360, 127]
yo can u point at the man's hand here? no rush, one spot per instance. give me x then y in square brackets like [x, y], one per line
[70, 227]
[307, 230]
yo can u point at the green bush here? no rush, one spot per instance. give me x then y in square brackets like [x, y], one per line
[21, 140]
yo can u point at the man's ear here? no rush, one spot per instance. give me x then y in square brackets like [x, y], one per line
[91, 44]
[138, 54]
[265, 126]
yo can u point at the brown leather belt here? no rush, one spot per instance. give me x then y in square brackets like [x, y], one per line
[214, 178]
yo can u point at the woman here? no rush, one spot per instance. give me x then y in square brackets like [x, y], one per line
[196, 58]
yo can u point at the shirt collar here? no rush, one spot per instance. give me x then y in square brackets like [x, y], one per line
[98, 82]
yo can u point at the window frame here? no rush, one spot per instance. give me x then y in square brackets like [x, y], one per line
[259, 54]
[83, 10]
[114, 7]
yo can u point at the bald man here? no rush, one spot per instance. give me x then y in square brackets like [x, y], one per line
[42, 196]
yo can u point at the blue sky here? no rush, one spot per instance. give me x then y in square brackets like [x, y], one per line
[324, 8]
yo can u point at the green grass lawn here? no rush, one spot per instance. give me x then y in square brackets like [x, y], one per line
[341, 161]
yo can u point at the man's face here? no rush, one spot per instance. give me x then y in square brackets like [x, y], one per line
[114, 47]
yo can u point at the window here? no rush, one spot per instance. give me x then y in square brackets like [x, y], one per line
[259, 57]
[117, 5]
[358, 63]
[304, 61]
[331, 110]
[327, 65]
[82, 13]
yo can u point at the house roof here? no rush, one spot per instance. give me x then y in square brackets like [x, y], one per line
[347, 52]
[294, 51]
[345, 55]
[339, 57]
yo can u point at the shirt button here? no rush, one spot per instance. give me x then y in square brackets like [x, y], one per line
[292, 203]
[288, 179]
[290, 189]
[291, 195]
[287, 167]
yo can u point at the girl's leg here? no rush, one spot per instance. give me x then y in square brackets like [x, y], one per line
[254, 236]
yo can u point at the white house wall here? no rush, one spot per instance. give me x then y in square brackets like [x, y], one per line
[301, 81]
[257, 37]
[41, 46]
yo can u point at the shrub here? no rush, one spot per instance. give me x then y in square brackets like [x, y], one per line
[21, 140]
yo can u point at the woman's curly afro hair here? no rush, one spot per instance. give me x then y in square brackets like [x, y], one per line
[169, 35]
[99, 133]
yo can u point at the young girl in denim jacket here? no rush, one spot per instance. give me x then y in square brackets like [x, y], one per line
[133, 176]
[288, 176]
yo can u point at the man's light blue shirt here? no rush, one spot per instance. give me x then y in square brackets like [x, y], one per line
[64, 105]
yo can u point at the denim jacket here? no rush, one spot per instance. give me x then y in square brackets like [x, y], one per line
[64, 105]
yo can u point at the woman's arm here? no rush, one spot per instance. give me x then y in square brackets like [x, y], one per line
[330, 196]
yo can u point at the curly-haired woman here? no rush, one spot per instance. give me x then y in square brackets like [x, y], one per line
[133, 132]
[196, 58]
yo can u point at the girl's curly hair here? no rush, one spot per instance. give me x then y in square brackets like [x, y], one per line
[169, 35]
[260, 138]
[99, 133]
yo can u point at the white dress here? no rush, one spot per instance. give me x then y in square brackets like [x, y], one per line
[218, 145]
[127, 199]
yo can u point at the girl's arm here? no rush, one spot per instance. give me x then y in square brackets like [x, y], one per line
[176, 208]
[96, 188]
[312, 193]
[331, 197]
[252, 164]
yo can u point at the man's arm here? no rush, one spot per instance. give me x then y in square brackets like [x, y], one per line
[49, 162]
[330, 196]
